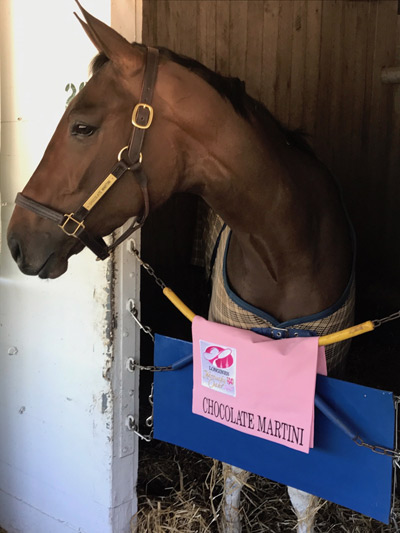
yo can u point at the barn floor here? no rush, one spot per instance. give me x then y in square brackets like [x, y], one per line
[179, 492]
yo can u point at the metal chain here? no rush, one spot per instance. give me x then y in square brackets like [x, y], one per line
[150, 368]
[133, 311]
[146, 266]
[132, 365]
[382, 450]
[380, 321]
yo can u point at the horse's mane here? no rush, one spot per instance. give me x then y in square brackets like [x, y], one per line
[233, 89]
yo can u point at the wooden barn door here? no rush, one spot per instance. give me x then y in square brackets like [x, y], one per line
[317, 65]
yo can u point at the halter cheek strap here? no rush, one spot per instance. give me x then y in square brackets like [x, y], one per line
[129, 159]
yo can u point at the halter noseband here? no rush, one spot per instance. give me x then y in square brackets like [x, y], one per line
[73, 224]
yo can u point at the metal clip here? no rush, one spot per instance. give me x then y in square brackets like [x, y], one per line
[149, 419]
[131, 426]
[130, 422]
[134, 314]
[130, 364]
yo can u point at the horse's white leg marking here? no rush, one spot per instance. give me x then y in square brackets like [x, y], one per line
[305, 506]
[234, 479]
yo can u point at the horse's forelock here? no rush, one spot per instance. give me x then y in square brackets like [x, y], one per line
[97, 62]
[101, 59]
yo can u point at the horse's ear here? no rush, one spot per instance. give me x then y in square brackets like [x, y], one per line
[89, 33]
[110, 42]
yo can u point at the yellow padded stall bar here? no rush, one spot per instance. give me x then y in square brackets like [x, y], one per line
[345, 334]
[177, 302]
[338, 336]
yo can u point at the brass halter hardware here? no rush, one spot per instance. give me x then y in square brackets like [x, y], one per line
[129, 159]
[149, 119]
[119, 157]
[70, 218]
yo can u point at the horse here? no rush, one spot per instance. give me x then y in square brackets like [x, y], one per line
[151, 123]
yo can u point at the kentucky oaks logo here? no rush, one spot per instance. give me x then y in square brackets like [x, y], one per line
[218, 367]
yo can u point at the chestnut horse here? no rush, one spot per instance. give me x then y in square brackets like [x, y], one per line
[290, 250]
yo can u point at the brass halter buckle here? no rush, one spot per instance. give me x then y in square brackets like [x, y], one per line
[149, 120]
[70, 218]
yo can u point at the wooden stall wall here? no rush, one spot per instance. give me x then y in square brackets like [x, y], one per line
[317, 66]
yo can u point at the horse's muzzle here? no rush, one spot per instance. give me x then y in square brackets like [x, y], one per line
[40, 255]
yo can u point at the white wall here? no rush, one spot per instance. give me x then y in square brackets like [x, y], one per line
[67, 462]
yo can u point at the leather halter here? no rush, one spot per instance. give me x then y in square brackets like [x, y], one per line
[129, 159]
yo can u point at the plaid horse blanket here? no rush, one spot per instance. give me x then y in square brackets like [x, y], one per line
[228, 308]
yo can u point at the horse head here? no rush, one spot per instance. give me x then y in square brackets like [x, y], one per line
[75, 169]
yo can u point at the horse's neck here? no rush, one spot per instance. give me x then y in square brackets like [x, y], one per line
[242, 177]
[285, 218]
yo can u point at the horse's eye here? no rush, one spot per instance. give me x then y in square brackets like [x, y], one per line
[83, 129]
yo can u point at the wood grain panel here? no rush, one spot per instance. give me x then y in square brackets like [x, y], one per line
[254, 45]
[312, 65]
[222, 18]
[166, 30]
[185, 17]
[392, 229]
[269, 53]
[284, 61]
[237, 38]
[330, 79]
[298, 61]
[206, 29]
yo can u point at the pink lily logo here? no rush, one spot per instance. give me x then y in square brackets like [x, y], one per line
[219, 357]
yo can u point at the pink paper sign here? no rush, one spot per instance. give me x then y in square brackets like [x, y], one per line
[254, 384]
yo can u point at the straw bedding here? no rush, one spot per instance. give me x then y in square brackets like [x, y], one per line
[180, 492]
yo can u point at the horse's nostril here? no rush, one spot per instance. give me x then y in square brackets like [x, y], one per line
[15, 248]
